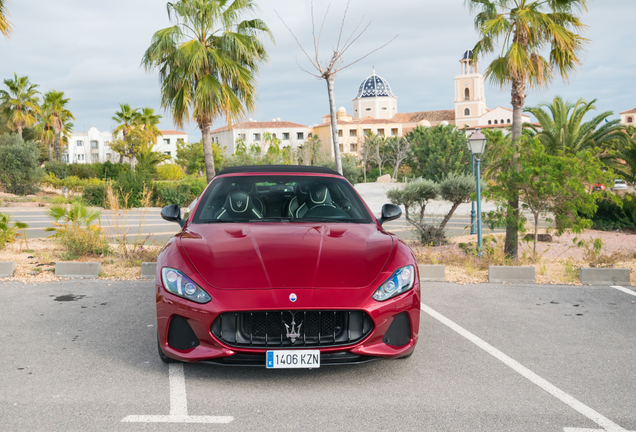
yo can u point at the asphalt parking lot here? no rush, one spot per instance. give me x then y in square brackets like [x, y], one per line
[81, 356]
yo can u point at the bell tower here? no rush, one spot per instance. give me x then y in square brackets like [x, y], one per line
[470, 97]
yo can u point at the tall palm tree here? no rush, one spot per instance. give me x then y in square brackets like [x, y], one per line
[562, 128]
[5, 24]
[58, 115]
[126, 119]
[20, 103]
[207, 63]
[148, 121]
[527, 30]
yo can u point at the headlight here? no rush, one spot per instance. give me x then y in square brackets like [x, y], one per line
[399, 282]
[175, 282]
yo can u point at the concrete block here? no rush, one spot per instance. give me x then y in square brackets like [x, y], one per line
[148, 270]
[511, 274]
[432, 273]
[7, 268]
[70, 269]
[605, 276]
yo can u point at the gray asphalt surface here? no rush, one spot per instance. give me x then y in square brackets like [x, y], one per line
[86, 364]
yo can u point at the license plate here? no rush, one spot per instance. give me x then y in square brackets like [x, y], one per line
[291, 359]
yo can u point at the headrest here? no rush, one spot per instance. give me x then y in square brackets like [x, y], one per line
[319, 194]
[238, 202]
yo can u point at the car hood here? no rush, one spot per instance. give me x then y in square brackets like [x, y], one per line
[287, 255]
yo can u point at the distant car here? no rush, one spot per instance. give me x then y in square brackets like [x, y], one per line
[285, 267]
[619, 184]
[598, 187]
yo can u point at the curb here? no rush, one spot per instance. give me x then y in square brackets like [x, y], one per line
[511, 274]
[73, 269]
[148, 270]
[605, 276]
[432, 273]
[7, 269]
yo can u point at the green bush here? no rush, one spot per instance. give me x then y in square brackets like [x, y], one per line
[82, 171]
[9, 229]
[610, 216]
[350, 169]
[133, 183]
[60, 169]
[19, 167]
[170, 172]
[175, 194]
[197, 185]
[95, 194]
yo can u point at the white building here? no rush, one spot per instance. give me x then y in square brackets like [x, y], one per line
[628, 117]
[94, 146]
[253, 132]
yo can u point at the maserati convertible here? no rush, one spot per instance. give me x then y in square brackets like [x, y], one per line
[284, 267]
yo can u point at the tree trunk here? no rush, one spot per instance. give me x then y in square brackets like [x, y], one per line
[536, 233]
[57, 146]
[132, 162]
[20, 131]
[448, 216]
[206, 139]
[50, 153]
[334, 121]
[512, 232]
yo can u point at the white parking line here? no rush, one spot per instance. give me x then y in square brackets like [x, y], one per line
[608, 425]
[178, 404]
[583, 430]
[625, 290]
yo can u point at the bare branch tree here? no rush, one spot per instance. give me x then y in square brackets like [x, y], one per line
[400, 150]
[329, 69]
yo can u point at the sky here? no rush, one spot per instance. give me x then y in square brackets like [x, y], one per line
[92, 50]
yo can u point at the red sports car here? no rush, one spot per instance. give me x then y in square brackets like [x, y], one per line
[285, 267]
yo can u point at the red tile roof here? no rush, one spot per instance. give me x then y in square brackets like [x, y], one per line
[631, 111]
[172, 132]
[497, 126]
[260, 125]
[431, 116]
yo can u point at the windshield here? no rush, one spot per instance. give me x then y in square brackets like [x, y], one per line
[278, 198]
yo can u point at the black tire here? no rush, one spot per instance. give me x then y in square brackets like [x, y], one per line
[164, 358]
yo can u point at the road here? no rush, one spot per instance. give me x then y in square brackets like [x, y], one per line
[81, 356]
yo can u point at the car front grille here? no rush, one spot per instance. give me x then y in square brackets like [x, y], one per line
[285, 329]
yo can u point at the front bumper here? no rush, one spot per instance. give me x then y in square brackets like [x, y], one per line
[200, 318]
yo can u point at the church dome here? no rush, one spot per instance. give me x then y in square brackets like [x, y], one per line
[374, 86]
[467, 55]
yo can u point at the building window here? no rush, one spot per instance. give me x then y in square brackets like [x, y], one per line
[366, 131]
[285, 135]
[94, 158]
[394, 131]
[300, 135]
[353, 133]
[508, 121]
[384, 108]
[180, 140]
[273, 136]
[167, 153]
[166, 141]
[630, 120]
[496, 122]
[367, 109]
[106, 143]
[79, 143]
[340, 133]
[256, 137]
[341, 148]
[353, 147]
[94, 145]
[467, 112]
[502, 122]
[467, 94]
[309, 135]
[80, 157]
[489, 122]
[381, 132]
[241, 136]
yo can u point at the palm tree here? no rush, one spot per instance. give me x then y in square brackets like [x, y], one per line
[20, 103]
[207, 63]
[57, 115]
[562, 129]
[126, 119]
[46, 132]
[527, 29]
[148, 121]
[5, 25]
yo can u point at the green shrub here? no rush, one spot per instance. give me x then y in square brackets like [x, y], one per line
[175, 194]
[94, 194]
[610, 216]
[82, 171]
[9, 229]
[170, 172]
[133, 183]
[19, 167]
[59, 169]
[350, 169]
[77, 230]
[197, 185]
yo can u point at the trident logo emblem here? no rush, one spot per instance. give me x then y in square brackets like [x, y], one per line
[239, 203]
[318, 193]
[293, 333]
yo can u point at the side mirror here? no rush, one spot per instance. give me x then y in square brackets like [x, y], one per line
[390, 212]
[172, 213]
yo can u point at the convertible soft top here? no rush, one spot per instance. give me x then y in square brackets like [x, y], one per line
[278, 169]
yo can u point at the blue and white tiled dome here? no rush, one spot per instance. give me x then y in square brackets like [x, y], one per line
[467, 55]
[374, 86]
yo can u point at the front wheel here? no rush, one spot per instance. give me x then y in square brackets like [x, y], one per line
[164, 358]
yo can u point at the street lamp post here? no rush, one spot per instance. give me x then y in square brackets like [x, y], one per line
[477, 145]
[473, 227]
